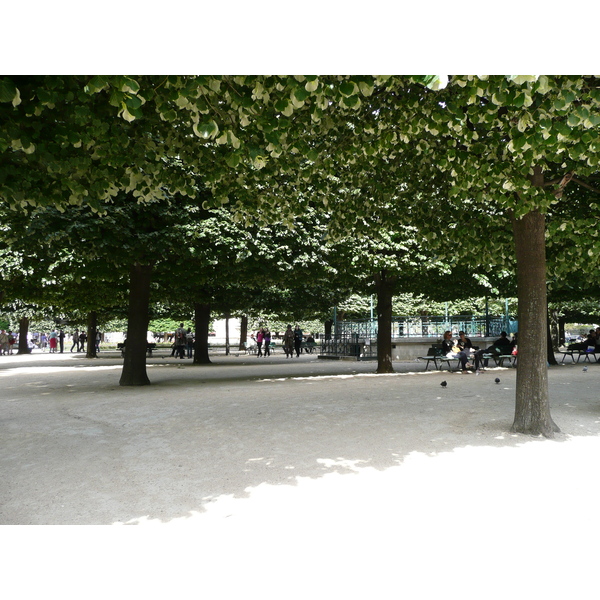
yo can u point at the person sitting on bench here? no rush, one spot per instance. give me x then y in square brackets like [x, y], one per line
[451, 349]
[501, 347]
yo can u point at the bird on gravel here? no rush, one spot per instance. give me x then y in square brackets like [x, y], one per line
[444, 384]
[497, 380]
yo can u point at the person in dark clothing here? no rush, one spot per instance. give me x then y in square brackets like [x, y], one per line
[502, 346]
[298, 340]
[267, 341]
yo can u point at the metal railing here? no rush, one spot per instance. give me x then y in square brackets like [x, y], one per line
[359, 338]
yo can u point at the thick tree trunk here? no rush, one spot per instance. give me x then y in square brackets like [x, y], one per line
[384, 285]
[532, 411]
[202, 321]
[134, 364]
[561, 331]
[243, 332]
[92, 328]
[328, 328]
[23, 333]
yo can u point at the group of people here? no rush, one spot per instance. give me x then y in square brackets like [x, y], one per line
[463, 349]
[263, 338]
[590, 344]
[291, 341]
[183, 343]
[79, 340]
[7, 341]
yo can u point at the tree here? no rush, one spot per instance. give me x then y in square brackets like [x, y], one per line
[497, 148]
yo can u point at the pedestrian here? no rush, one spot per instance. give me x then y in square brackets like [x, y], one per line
[180, 341]
[53, 340]
[298, 340]
[288, 342]
[98, 340]
[11, 342]
[75, 341]
[260, 336]
[61, 340]
[190, 343]
[3, 342]
[267, 342]
[43, 342]
[82, 341]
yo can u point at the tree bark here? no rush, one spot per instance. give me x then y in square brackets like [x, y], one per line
[532, 410]
[243, 332]
[92, 328]
[328, 328]
[384, 285]
[23, 333]
[227, 334]
[202, 321]
[134, 364]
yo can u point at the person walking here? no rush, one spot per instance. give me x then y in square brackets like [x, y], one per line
[11, 342]
[267, 341]
[298, 340]
[180, 342]
[288, 342]
[3, 342]
[260, 336]
[75, 341]
[82, 341]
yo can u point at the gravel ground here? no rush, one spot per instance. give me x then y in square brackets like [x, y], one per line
[292, 478]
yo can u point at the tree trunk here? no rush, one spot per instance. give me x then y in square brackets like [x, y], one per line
[384, 285]
[134, 364]
[227, 334]
[202, 321]
[328, 329]
[561, 331]
[23, 333]
[243, 332]
[92, 328]
[532, 411]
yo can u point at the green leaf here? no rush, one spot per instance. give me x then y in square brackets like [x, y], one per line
[347, 88]
[301, 94]
[8, 90]
[206, 130]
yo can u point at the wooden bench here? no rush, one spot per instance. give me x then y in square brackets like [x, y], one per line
[308, 346]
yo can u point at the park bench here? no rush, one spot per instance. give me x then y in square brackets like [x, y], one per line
[149, 347]
[572, 352]
[250, 348]
[308, 346]
[435, 356]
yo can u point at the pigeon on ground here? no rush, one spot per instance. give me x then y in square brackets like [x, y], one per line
[585, 369]
[444, 384]
[497, 380]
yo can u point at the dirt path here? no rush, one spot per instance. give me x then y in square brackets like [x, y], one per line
[296, 479]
